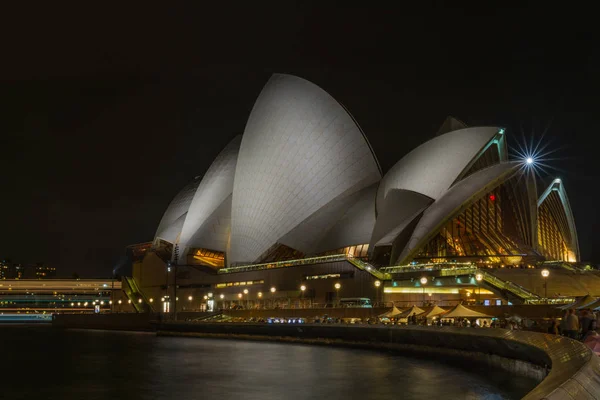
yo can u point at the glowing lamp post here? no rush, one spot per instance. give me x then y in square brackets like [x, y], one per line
[259, 294]
[377, 285]
[479, 278]
[423, 283]
[222, 297]
[337, 287]
[273, 290]
[302, 289]
[545, 274]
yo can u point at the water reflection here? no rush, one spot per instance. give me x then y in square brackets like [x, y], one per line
[53, 364]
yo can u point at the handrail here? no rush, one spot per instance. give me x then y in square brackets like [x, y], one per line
[130, 293]
[365, 266]
[515, 289]
[310, 260]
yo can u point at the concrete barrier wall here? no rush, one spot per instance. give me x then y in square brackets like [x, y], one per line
[574, 369]
[528, 311]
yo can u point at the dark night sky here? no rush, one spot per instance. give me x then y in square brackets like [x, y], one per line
[107, 113]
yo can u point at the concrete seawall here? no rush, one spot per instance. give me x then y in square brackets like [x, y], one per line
[574, 371]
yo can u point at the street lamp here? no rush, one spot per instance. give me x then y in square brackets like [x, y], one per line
[479, 278]
[545, 274]
[247, 300]
[337, 287]
[272, 294]
[377, 284]
[302, 289]
[423, 283]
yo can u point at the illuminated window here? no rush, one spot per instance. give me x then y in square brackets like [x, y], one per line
[243, 283]
[324, 276]
[209, 257]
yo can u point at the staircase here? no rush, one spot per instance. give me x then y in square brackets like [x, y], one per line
[509, 290]
[133, 293]
[365, 266]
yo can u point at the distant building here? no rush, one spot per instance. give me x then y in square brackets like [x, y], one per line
[44, 272]
[4, 269]
[9, 270]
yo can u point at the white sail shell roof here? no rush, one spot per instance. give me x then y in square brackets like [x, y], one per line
[432, 168]
[172, 221]
[214, 189]
[300, 150]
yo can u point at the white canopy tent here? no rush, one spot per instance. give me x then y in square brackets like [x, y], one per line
[392, 313]
[436, 311]
[410, 312]
[460, 311]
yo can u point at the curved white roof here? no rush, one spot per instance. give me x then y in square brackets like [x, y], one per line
[341, 223]
[460, 195]
[399, 209]
[216, 186]
[174, 215]
[214, 232]
[432, 168]
[300, 150]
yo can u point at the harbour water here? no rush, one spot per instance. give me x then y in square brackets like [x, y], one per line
[40, 362]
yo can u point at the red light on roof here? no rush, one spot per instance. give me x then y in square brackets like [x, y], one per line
[492, 197]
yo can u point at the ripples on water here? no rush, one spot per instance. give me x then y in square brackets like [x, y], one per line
[43, 363]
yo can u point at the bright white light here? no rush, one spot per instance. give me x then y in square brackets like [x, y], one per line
[545, 273]
[529, 160]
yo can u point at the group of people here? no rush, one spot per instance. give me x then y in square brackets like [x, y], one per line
[576, 325]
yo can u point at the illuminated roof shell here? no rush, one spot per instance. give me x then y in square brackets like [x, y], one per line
[300, 150]
[172, 221]
[434, 166]
[212, 193]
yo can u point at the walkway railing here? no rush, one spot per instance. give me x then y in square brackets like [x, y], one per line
[515, 289]
[470, 269]
[399, 269]
[133, 293]
[365, 266]
[307, 261]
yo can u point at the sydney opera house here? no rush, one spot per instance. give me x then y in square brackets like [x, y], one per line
[298, 203]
